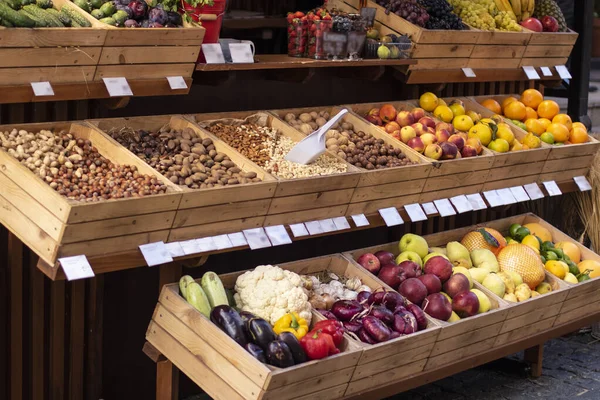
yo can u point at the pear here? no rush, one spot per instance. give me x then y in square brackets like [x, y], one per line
[534, 294]
[454, 317]
[465, 272]
[510, 297]
[441, 250]
[484, 302]
[516, 277]
[479, 274]
[494, 284]
[523, 292]
[543, 288]
[434, 254]
[508, 282]
[484, 258]
[456, 252]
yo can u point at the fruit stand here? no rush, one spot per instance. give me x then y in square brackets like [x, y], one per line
[426, 153]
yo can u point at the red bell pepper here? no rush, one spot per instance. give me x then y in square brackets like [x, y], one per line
[318, 344]
[334, 328]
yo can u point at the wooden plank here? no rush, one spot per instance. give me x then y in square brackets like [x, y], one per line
[370, 207]
[530, 318]
[335, 392]
[561, 176]
[49, 57]
[222, 212]
[505, 37]
[51, 37]
[15, 263]
[215, 228]
[494, 51]
[382, 191]
[143, 55]
[38, 331]
[440, 63]
[455, 180]
[77, 340]
[167, 381]
[442, 50]
[534, 356]
[58, 351]
[142, 71]
[574, 150]
[154, 37]
[554, 38]
[307, 215]
[466, 339]
[479, 164]
[310, 200]
[524, 332]
[568, 163]
[384, 377]
[23, 76]
[543, 62]
[392, 362]
[548, 51]
[498, 63]
[462, 352]
[311, 388]
[94, 332]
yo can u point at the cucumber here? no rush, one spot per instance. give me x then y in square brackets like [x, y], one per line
[197, 298]
[83, 4]
[213, 287]
[71, 11]
[96, 3]
[15, 18]
[66, 21]
[14, 4]
[44, 4]
[183, 283]
[42, 15]
[39, 22]
[108, 9]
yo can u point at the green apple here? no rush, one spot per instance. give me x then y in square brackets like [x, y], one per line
[416, 243]
[479, 274]
[465, 272]
[409, 256]
[428, 256]
[454, 317]
[484, 302]
[494, 284]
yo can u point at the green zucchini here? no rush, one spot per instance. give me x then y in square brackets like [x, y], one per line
[213, 287]
[198, 299]
[183, 283]
[16, 18]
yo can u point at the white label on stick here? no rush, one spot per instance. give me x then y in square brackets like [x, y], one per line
[429, 208]
[519, 193]
[469, 73]
[175, 249]
[156, 253]
[237, 239]
[563, 72]
[257, 238]
[415, 212]
[476, 201]
[552, 188]
[341, 223]
[314, 227]
[278, 235]
[531, 73]
[76, 267]
[444, 207]
[533, 191]
[582, 183]
[213, 54]
[391, 216]
[506, 196]
[117, 87]
[241, 53]
[42, 89]
[328, 225]
[190, 247]
[206, 244]
[298, 230]
[360, 220]
[461, 203]
[222, 242]
[177, 82]
[546, 71]
[492, 198]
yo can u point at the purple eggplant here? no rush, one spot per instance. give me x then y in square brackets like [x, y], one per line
[139, 8]
[226, 318]
[158, 15]
[376, 329]
[405, 323]
[257, 352]
[344, 310]
[279, 354]
[364, 336]
[292, 342]
[261, 332]
[174, 18]
[382, 313]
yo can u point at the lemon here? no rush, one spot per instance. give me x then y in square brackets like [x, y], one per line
[531, 241]
[482, 132]
[555, 269]
[457, 108]
[504, 132]
[462, 123]
[475, 117]
[428, 101]
[532, 141]
[565, 266]
[444, 113]
[547, 137]
[499, 145]
[570, 278]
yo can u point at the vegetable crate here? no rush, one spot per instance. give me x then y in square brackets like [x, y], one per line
[210, 211]
[439, 49]
[548, 49]
[378, 189]
[54, 226]
[56, 55]
[225, 370]
[298, 199]
[499, 49]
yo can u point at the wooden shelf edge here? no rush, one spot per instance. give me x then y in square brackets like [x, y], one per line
[482, 75]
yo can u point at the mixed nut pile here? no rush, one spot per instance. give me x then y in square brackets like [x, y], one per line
[75, 169]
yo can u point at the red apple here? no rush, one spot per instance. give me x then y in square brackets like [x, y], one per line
[457, 283]
[428, 122]
[468, 151]
[442, 135]
[414, 290]
[369, 262]
[416, 144]
[431, 282]
[550, 24]
[433, 151]
[449, 151]
[438, 266]
[465, 304]
[419, 128]
[385, 257]
[437, 306]
[405, 118]
[388, 113]
[418, 113]
[407, 133]
[457, 140]
[533, 24]
[390, 275]
[428, 138]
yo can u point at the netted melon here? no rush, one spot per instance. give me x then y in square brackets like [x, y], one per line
[523, 260]
[476, 240]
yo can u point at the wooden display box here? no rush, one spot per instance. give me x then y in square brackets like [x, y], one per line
[499, 49]
[300, 199]
[54, 226]
[211, 211]
[381, 188]
[548, 49]
[201, 350]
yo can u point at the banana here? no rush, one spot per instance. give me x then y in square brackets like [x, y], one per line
[516, 6]
[503, 5]
[531, 7]
[524, 4]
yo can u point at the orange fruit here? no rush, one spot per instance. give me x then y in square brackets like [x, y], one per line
[492, 105]
[579, 125]
[515, 110]
[530, 113]
[592, 265]
[539, 231]
[507, 101]
[548, 109]
[570, 249]
[535, 126]
[546, 122]
[559, 131]
[578, 135]
[475, 240]
[563, 119]
[532, 98]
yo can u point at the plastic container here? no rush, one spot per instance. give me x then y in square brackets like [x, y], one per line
[297, 38]
[316, 39]
[213, 27]
[396, 50]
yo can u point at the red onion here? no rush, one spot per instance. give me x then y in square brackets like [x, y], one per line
[327, 314]
[364, 336]
[376, 297]
[382, 313]
[395, 335]
[353, 326]
[363, 297]
[405, 323]
[392, 300]
[344, 310]
[376, 328]
[419, 315]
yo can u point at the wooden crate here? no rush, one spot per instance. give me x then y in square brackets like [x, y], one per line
[212, 211]
[192, 342]
[382, 188]
[54, 226]
[301, 199]
[547, 49]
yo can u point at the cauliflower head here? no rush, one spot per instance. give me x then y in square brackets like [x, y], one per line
[270, 292]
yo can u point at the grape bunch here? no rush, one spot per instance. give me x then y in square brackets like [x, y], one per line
[410, 10]
[483, 14]
[441, 15]
[341, 24]
[504, 22]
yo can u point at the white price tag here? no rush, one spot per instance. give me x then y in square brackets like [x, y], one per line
[391, 216]
[76, 267]
[241, 53]
[519, 193]
[563, 72]
[444, 207]
[429, 208]
[156, 253]
[42, 89]
[533, 191]
[213, 54]
[237, 239]
[476, 201]
[469, 73]
[278, 235]
[415, 212]
[222, 242]
[546, 71]
[492, 198]
[531, 73]
[175, 249]
[461, 203]
[552, 188]
[360, 220]
[582, 183]
[117, 87]
[328, 225]
[341, 223]
[257, 238]
[177, 82]
[206, 244]
[298, 230]
[506, 196]
[314, 227]
[190, 247]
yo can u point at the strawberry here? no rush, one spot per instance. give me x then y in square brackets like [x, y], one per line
[298, 14]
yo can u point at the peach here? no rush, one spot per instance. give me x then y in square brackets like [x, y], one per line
[449, 150]
[374, 119]
[457, 140]
[416, 144]
[442, 135]
[428, 138]
[433, 151]
[388, 113]
[419, 128]
[395, 135]
[431, 130]
[463, 135]
[445, 125]
[391, 127]
[407, 133]
[418, 113]
[373, 111]
[475, 143]
[468, 151]
[405, 118]
[427, 121]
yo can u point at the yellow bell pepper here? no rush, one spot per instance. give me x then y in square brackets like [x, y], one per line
[291, 322]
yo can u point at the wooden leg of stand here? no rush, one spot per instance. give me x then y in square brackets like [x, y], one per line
[534, 357]
[167, 381]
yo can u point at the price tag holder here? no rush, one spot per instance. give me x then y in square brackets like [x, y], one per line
[76, 267]
[241, 53]
[327, 225]
[469, 73]
[190, 247]
[531, 73]
[429, 208]
[533, 191]
[476, 201]
[156, 253]
[391, 216]
[222, 242]
[117, 87]
[461, 203]
[415, 212]
[506, 196]
[42, 89]
[341, 223]
[582, 183]
[314, 227]
[257, 238]
[175, 249]
[552, 188]
[237, 239]
[213, 54]
[546, 71]
[299, 230]
[360, 220]
[278, 235]
[563, 72]
[206, 244]
[492, 198]
[177, 82]
[519, 193]
[444, 207]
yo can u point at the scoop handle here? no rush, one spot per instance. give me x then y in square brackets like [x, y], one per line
[331, 122]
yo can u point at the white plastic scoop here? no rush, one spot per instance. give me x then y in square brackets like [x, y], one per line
[311, 147]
